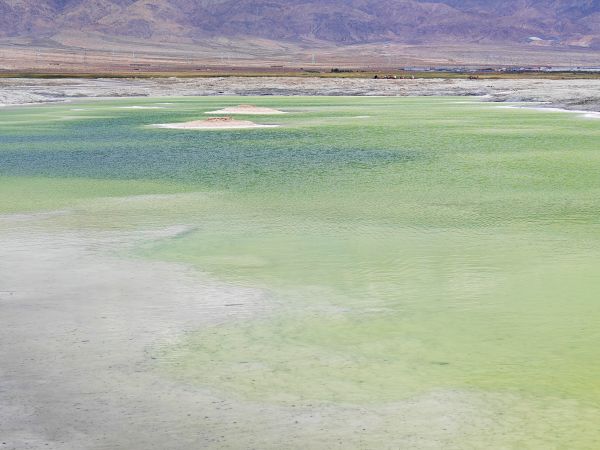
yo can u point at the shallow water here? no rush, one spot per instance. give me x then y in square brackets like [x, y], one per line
[409, 246]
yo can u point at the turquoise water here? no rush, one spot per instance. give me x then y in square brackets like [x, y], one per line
[409, 245]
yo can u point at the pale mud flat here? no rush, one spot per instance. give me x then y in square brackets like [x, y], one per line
[569, 94]
[213, 123]
[79, 325]
[139, 107]
[581, 113]
[247, 109]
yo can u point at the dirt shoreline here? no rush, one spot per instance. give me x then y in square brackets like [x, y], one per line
[568, 94]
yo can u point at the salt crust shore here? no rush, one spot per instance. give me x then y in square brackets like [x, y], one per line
[569, 94]
[140, 107]
[213, 123]
[247, 110]
[582, 113]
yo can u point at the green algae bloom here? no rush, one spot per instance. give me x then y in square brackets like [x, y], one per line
[408, 245]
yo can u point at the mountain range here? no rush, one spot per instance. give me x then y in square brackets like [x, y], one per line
[553, 23]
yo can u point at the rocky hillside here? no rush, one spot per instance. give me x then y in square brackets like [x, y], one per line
[538, 22]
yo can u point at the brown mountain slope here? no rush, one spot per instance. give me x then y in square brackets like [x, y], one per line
[550, 22]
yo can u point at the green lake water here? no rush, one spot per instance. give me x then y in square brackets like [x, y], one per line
[408, 245]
